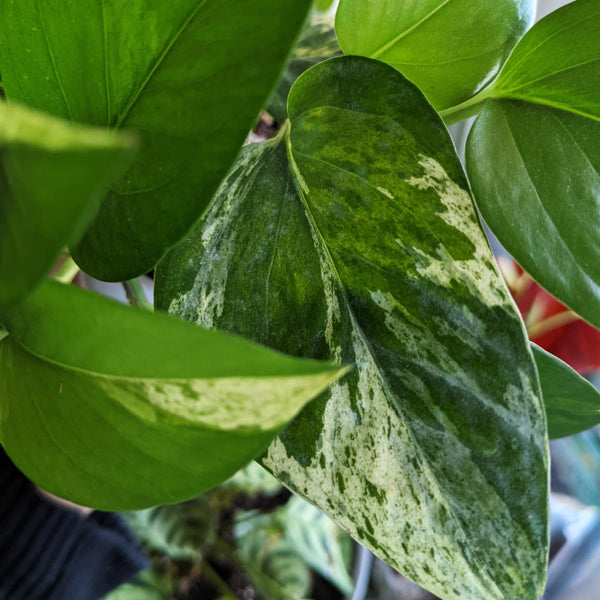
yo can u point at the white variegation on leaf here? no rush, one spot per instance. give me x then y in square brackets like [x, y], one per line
[353, 237]
[144, 409]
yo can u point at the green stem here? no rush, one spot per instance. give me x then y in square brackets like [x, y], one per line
[136, 295]
[216, 580]
[226, 549]
[67, 272]
[467, 109]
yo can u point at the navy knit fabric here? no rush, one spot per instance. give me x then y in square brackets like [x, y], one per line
[48, 552]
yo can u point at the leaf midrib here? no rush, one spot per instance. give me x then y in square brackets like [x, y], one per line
[443, 62]
[541, 103]
[82, 465]
[106, 67]
[509, 90]
[510, 67]
[160, 59]
[75, 460]
[53, 59]
[540, 201]
[408, 31]
[174, 380]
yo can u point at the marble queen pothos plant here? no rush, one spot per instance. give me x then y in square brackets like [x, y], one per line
[342, 261]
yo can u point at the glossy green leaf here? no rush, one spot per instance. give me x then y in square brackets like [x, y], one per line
[120, 408]
[541, 71]
[572, 403]
[317, 43]
[52, 177]
[353, 237]
[449, 48]
[189, 75]
[533, 156]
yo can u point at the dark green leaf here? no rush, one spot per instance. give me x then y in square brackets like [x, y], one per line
[189, 75]
[119, 408]
[52, 177]
[572, 403]
[317, 43]
[353, 237]
[286, 542]
[533, 156]
[449, 48]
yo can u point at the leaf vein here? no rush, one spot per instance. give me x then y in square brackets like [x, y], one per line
[541, 203]
[154, 68]
[511, 67]
[408, 31]
[550, 75]
[53, 59]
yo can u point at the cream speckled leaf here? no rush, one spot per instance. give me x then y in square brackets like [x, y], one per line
[119, 408]
[353, 237]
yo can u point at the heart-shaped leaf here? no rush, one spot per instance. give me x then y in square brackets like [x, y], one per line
[449, 48]
[180, 531]
[52, 177]
[190, 75]
[119, 408]
[353, 237]
[533, 156]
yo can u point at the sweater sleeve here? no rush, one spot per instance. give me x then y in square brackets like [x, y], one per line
[49, 552]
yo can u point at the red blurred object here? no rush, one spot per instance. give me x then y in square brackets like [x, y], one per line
[551, 324]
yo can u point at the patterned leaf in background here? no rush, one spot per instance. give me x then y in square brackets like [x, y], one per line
[181, 531]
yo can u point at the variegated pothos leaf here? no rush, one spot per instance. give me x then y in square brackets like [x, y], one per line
[353, 237]
[121, 409]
